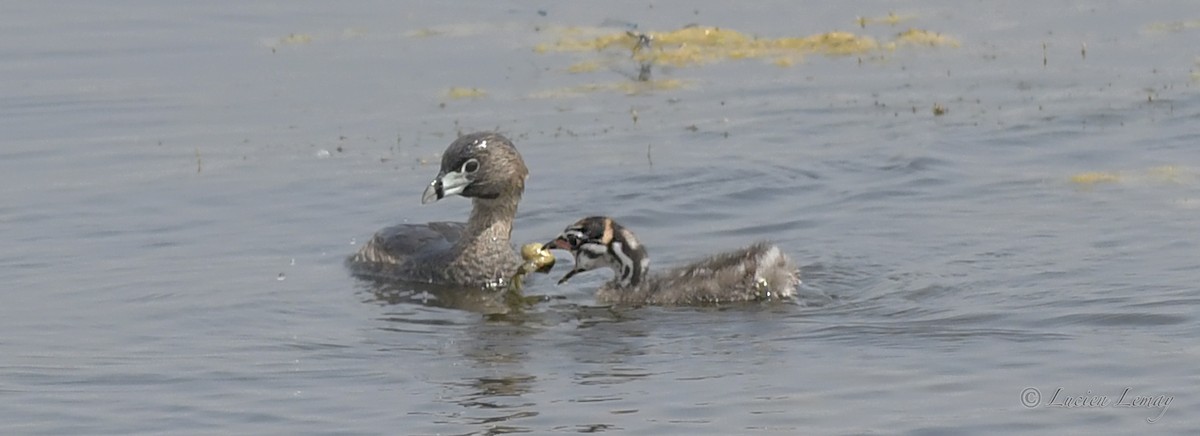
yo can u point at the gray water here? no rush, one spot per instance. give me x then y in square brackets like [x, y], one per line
[180, 183]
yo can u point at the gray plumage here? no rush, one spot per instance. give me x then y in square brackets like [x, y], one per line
[760, 271]
[484, 167]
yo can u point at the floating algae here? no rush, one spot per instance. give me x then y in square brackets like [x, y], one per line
[303, 39]
[1166, 174]
[585, 66]
[461, 93]
[296, 38]
[699, 45]
[924, 38]
[1092, 178]
[702, 45]
[425, 33]
[891, 19]
[1174, 26]
[292, 39]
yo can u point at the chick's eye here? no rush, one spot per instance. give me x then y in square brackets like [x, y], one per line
[573, 236]
[471, 166]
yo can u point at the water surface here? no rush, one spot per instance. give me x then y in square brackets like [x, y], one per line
[182, 182]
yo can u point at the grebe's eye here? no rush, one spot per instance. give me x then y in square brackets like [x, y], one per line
[471, 166]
